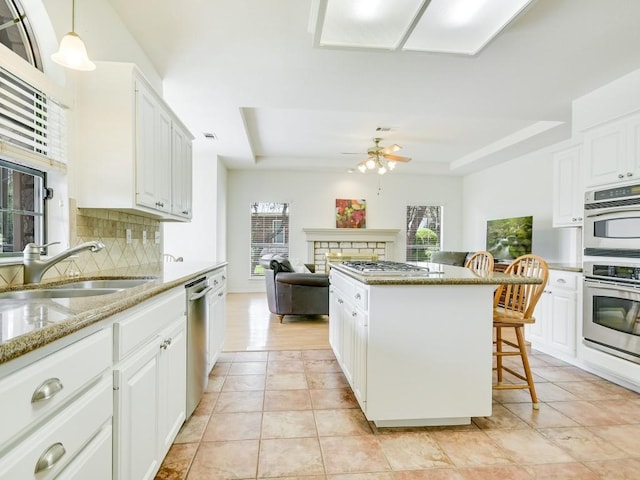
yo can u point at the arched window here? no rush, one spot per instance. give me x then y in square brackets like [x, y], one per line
[16, 33]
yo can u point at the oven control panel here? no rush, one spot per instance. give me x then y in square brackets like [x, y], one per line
[622, 272]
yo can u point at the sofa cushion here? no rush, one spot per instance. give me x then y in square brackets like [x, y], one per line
[281, 264]
[304, 279]
[449, 258]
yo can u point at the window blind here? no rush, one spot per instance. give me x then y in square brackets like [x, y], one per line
[269, 232]
[30, 120]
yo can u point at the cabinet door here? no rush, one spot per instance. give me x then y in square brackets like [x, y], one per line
[136, 413]
[153, 151]
[567, 188]
[360, 346]
[605, 154]
[217, 324]
[336, 312]
[349, 322]
[173, 382]
[562, 327]
[182, 173]
[537, 332]
[633, 171]
[146, 113]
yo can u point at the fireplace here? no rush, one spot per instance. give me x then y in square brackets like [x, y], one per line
[349, 241]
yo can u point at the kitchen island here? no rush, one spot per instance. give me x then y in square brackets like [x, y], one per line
[416, 346]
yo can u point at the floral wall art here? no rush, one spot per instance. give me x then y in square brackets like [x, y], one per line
[351, 213]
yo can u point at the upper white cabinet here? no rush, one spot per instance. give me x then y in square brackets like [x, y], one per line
[612, 152]
[568, 187]
[134, 153]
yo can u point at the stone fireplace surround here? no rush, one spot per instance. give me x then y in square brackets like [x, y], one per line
[320, 241]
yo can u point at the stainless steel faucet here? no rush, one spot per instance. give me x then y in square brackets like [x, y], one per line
[34, 267]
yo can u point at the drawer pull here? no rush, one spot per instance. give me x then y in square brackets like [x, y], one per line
[358, 296]
[47, 389]
[50, 457]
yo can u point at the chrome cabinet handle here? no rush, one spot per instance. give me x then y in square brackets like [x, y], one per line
[358, 296]
[620, 175]
[354, 314]
[629, 174]
[340, 301]
[220, 294]
[47, 389]
[159, 204]
[50, 457]
[185, 212]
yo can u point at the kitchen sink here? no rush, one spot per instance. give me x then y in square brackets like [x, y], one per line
[56, 293]
[117, 283]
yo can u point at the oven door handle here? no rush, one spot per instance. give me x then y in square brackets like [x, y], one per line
[611, 211]
[609, 285]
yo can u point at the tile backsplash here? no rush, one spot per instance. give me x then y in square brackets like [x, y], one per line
[109, 227]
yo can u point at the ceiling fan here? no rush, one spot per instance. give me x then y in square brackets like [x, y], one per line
[381, 158]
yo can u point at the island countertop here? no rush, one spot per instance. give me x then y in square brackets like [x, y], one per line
[26, 325]
[435, 274]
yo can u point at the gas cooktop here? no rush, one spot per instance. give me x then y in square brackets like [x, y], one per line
[387, 268]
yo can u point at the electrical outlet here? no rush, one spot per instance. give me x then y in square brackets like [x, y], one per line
[128, 235]
[144, 237]
[157, 237]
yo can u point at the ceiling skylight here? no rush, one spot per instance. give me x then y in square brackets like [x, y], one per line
[451, 26]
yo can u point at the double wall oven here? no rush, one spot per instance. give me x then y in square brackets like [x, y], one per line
[612, 271]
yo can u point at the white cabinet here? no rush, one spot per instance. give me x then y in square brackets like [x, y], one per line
[612, 152]
[150, 384]
[555, 329]
[135, 153]
[568, 188]
[348, 332]
[54, 407]
[217, 326]
[181, 168]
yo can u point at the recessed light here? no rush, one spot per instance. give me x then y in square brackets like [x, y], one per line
[383, 129]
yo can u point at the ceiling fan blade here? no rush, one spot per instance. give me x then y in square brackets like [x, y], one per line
[397, 158]
[390, 149]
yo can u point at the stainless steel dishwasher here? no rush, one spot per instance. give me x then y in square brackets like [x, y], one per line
[197, 325]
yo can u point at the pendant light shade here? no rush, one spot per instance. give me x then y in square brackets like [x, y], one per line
[72, 52]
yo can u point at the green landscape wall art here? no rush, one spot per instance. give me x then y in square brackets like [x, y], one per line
[508, 238]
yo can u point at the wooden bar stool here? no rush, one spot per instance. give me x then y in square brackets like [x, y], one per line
[480, 262]
[513, 307]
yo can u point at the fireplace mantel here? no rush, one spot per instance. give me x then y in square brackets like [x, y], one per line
[352, 234]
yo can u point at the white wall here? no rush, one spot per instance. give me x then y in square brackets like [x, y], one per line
[520, 187]
[312, 205]
[197, 240]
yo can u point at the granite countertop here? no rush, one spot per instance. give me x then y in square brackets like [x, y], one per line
[26, 325]
[566, 267]
[438, 275]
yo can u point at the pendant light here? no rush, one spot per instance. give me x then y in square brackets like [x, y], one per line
[72, 52]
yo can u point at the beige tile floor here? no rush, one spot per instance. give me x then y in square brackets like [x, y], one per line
[289, 413]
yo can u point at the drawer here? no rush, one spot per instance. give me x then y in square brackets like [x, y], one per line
[360, 297]
[32, 393]
[218, 279]
[141, 323]
[564, 280]
[94, 461]
[62, 438]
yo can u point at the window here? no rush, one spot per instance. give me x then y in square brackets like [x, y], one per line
[16, 33]
[269, 232]
[22, 192]
[424, 232]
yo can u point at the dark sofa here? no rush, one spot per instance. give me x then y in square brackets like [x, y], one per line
[458, 259]
[294, 293]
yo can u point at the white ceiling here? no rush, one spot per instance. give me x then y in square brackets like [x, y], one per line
[248, 71]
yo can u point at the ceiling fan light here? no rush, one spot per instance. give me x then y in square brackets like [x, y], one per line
[391, 164]
[371, 164]
[382, 170]
[362, 167]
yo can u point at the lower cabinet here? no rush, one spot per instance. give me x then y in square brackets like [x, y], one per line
[217, 317]
[349, 336]
[555, 329]
[150, 388]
